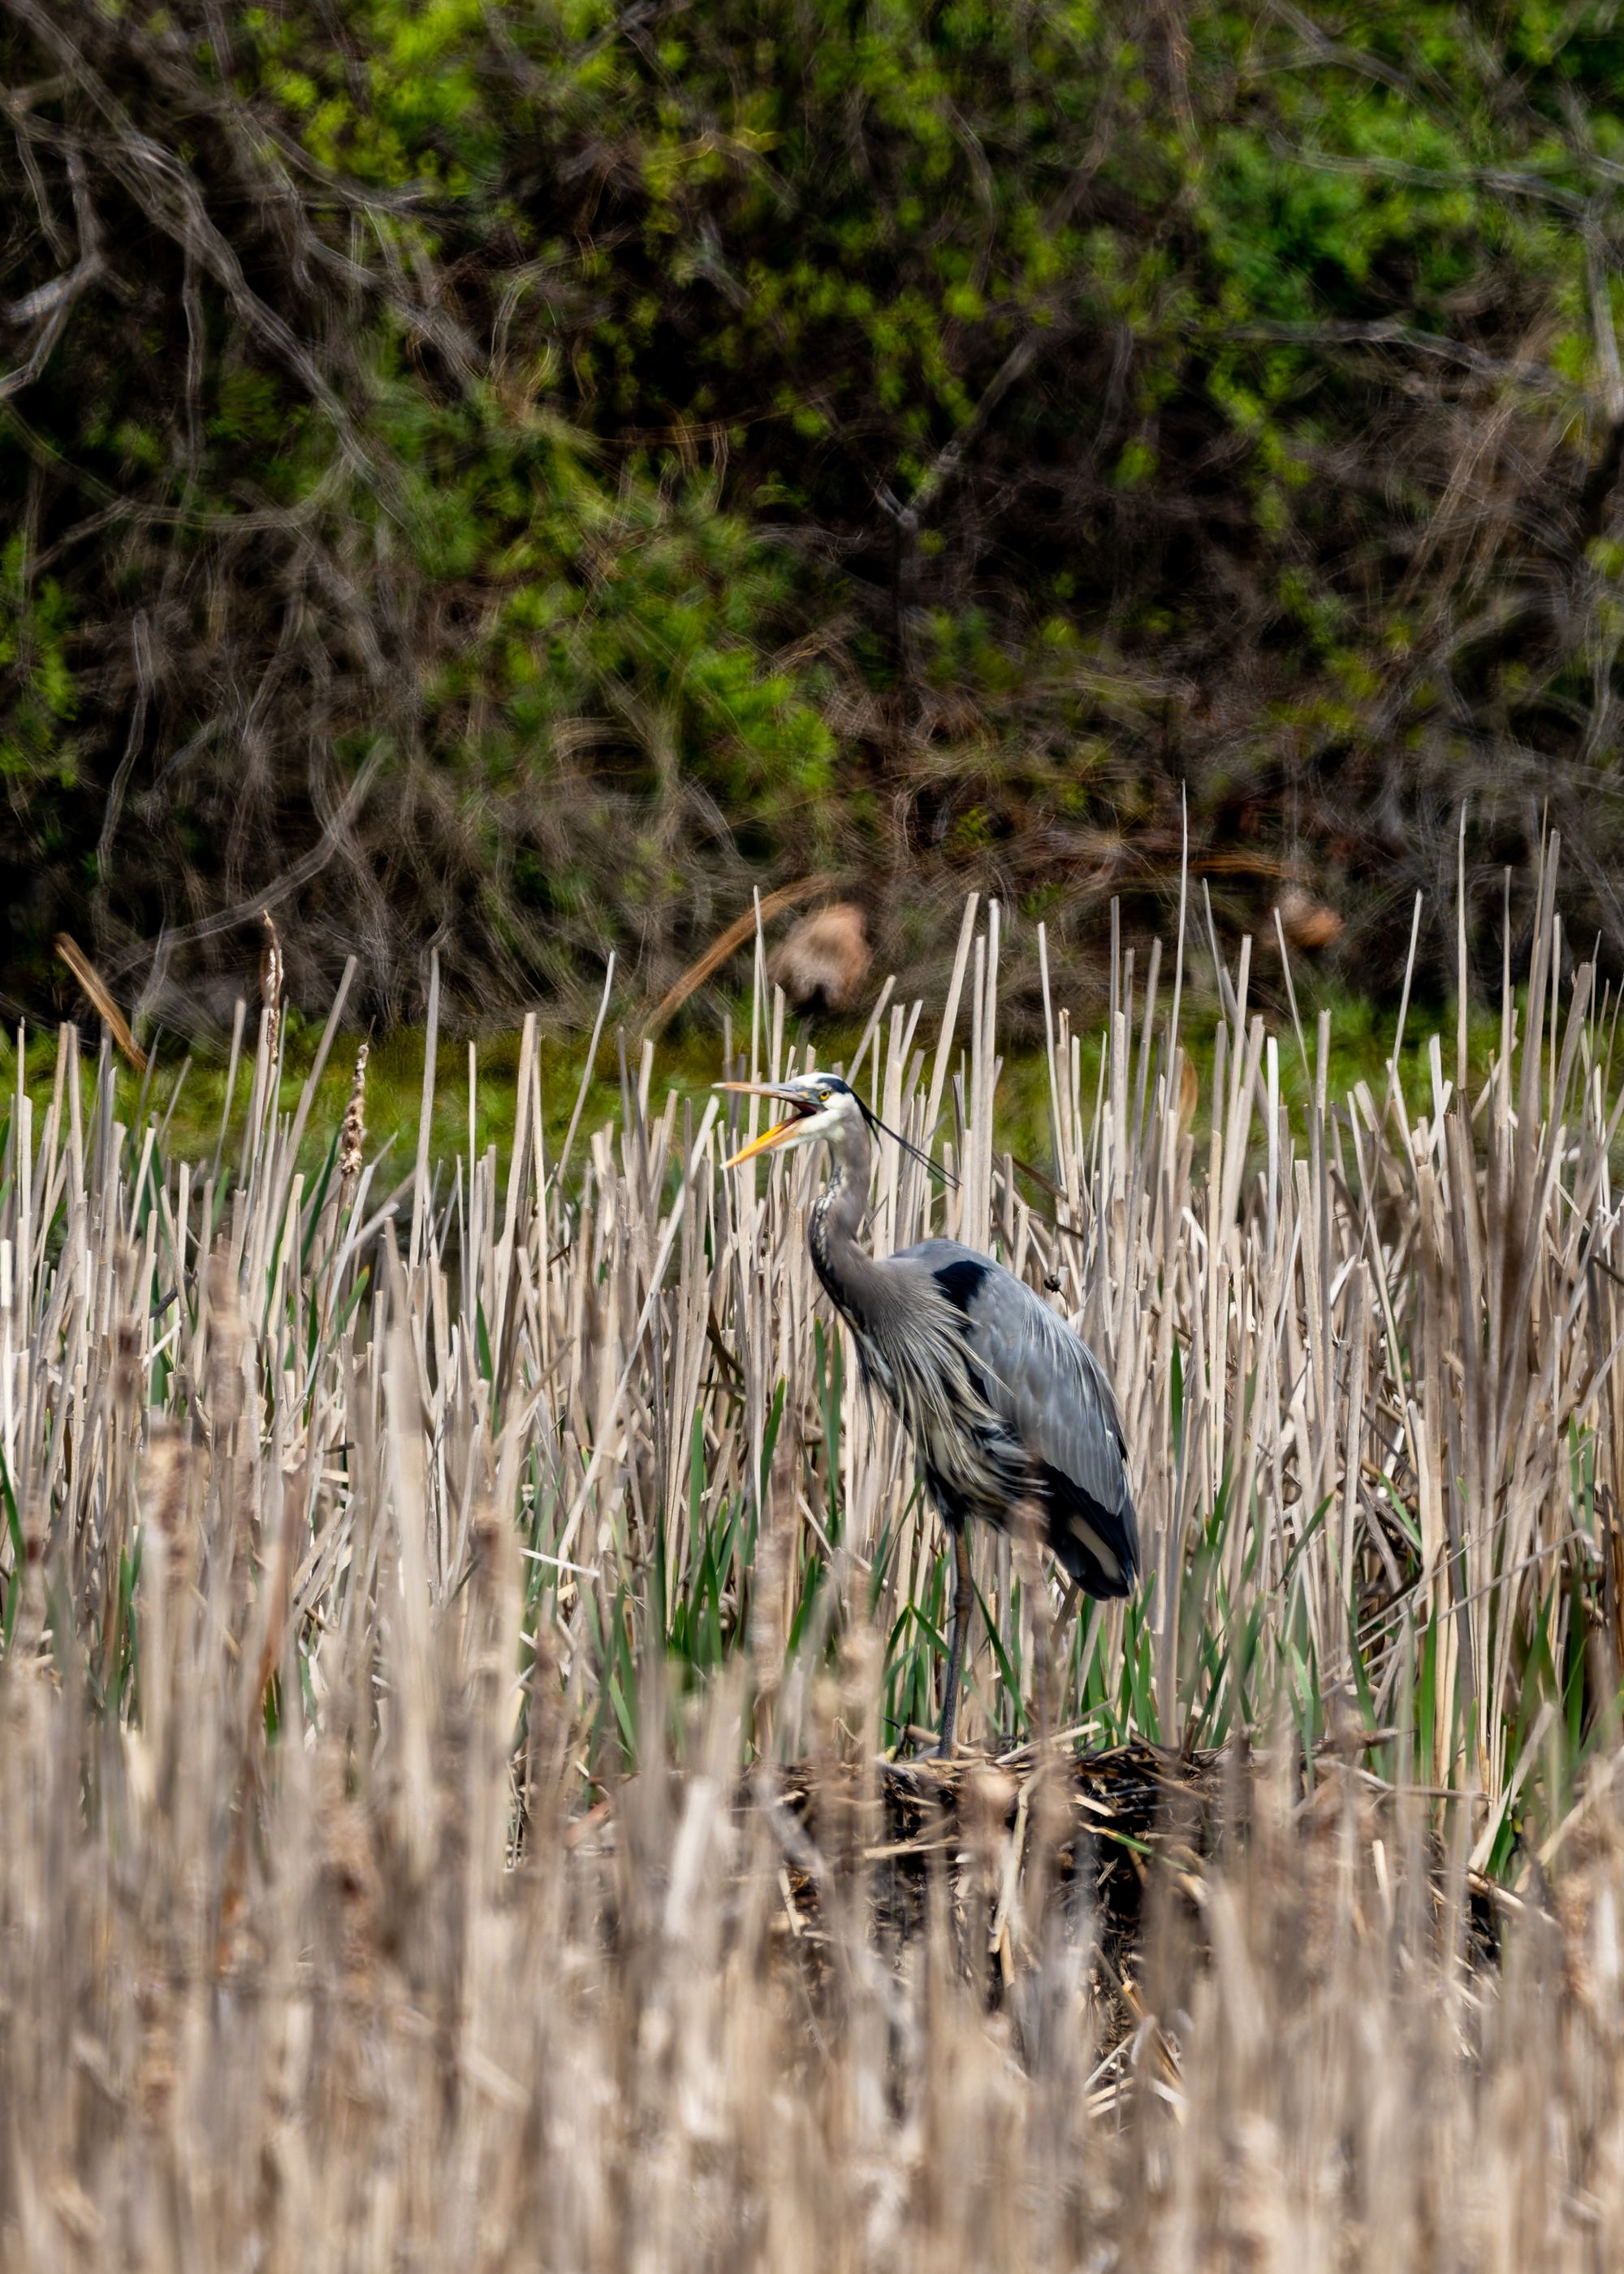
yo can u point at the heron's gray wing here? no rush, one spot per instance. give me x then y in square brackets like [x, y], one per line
[1049, 1386]
[1043, 1380]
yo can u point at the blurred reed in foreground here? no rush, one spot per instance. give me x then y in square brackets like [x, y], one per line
[397, 1582]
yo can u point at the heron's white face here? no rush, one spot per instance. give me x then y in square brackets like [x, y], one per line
[821, 1106]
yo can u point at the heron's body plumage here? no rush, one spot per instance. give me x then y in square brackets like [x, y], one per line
[1005, 1405]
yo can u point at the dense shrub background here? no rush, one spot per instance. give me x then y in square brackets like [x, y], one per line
[517, 473]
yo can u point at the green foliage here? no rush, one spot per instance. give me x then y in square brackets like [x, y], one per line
[681, 443]
[40, 693]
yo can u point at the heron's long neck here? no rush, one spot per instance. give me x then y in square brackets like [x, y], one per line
[847, 1268]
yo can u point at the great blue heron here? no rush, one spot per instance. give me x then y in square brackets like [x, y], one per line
[1003, 1402]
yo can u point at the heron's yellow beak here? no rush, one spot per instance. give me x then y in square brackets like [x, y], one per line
[764, 1142]
[770, 1137]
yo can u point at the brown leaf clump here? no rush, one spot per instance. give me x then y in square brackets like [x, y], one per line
[824, 962]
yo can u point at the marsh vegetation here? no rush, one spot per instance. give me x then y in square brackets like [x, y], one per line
[465, 1630]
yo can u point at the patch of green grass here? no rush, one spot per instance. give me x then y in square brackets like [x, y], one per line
[188, 1089]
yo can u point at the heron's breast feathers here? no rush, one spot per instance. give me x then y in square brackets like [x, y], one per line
[970, 1456]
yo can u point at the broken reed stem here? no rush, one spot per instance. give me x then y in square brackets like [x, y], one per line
[101, 1001]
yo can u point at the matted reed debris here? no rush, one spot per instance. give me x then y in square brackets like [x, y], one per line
[1119, 1845]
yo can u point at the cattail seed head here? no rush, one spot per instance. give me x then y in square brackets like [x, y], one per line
[271, 981]
[352, 1136]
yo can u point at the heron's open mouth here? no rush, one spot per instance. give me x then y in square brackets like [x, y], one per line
[800, 1110]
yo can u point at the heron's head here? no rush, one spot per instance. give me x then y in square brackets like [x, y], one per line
[820, 1105]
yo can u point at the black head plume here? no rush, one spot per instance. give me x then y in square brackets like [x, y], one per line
[896, 1138]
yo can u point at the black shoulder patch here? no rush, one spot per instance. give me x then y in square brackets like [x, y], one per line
[959, 1281]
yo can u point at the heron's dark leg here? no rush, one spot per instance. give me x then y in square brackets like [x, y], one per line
[1063, 1618]
[964, 1595]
